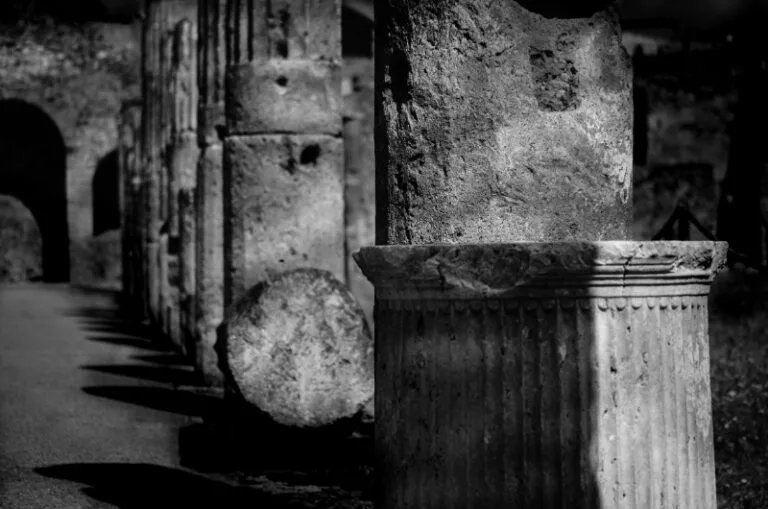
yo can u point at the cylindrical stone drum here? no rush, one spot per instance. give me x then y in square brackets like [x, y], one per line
[298, 348]
[544, 375]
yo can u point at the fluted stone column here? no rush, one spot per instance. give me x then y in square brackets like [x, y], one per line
[527, 354]
[209, 192]
[283, 155]
[184, 158]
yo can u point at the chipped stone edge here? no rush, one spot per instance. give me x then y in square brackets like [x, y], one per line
[498, 270]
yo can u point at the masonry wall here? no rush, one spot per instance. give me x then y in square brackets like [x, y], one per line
[79, 76]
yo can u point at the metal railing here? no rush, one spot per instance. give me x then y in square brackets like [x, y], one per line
[678, 227]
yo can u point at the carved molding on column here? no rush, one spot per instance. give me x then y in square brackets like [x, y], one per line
[538, 270]
[211, 64]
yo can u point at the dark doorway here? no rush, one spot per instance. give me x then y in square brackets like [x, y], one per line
[105, 190]
[33, 168]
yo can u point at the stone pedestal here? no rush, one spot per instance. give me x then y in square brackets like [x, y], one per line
[283, 155]
[543, 375]
[209, 259]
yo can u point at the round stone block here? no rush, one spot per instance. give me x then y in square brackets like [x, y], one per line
[298, 348]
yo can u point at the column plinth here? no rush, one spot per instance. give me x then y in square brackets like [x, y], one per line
[543, 374]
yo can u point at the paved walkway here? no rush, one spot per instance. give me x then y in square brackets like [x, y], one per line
[88, 414]
[94, 414]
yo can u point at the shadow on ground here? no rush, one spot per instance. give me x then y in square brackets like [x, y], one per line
[162, 374]
[143, 486]
[160, 398]
[173, 359]
[279, 467]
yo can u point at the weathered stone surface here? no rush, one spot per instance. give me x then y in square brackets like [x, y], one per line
[359, 174]
[211, 68]
[187, 155]
[291, 29]
[298, 348]
[495, 270]
[550, 374]
[184, 78]
[286, 196]
[21, 245]
[209, 264]
[499, 125]
[285, 96]
[210, 259]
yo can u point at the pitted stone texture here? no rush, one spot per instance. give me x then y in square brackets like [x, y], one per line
[498, 269]
[21, 245]
[211, 121]
[284, 96]
[286, 196]
[209, 263]
[289, 29]
[499, 125]
[184, 79]
[298, 348]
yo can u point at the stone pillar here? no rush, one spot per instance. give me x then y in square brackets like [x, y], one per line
[160, 16]
[168, 256]
[527, 354]
[209, 191]
[359, 172]
[151, 38]
[185, 155]
[130, 180]
[283, 155]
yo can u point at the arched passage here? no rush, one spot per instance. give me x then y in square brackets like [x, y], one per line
[105, 190]
[33, 168]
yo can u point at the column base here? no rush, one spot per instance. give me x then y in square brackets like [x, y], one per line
[544, 374]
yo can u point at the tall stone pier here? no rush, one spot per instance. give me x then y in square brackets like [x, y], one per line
[151, 42]
[283, 155]
[130, 187]
[527, 353]
[160, 16]
[168, 251]
[184, 158]
[209, 195]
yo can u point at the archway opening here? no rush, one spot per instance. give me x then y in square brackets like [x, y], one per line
[33, 169]
[105, 189]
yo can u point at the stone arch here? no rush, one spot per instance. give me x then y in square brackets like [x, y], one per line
[33, 169]
[105, 192]
[21, 245]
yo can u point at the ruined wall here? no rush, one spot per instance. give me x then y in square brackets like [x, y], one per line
[79, 76]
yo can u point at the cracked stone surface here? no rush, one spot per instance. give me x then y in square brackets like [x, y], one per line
[298, 348]
[497, 268]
